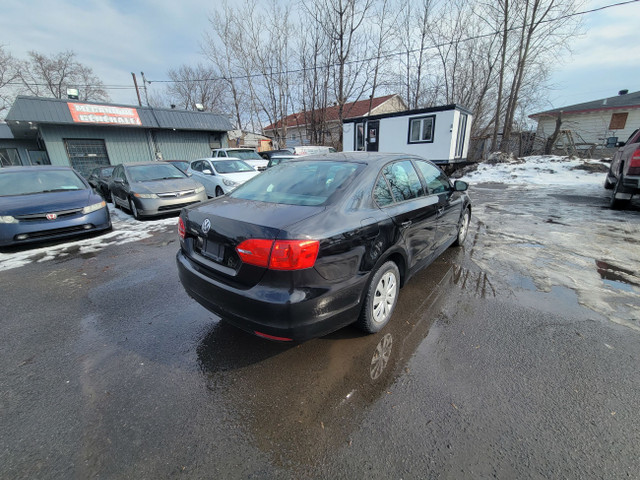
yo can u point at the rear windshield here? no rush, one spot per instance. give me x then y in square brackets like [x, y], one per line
[244, 154]
[297, 183]
[149, 173]
[232, 166]
[39, 181]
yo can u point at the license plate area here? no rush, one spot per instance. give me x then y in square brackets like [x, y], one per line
[211, 250]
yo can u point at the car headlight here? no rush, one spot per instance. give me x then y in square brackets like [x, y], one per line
[229, 183]
[8, 219]
[145, 195]
[94, 207]
[199, 189]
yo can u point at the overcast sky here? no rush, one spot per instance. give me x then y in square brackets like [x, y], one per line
[117, 37]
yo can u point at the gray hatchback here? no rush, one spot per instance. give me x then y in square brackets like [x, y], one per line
[153, 188]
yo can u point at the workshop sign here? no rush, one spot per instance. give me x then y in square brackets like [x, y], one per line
[104, 114]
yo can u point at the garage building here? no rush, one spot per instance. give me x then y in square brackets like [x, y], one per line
[87, 135]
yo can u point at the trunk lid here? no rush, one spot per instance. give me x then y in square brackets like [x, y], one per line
[214, 230]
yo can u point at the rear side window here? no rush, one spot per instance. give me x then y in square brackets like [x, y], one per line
[403, 180]
[437, 182]
[381, 193]
[298, 183]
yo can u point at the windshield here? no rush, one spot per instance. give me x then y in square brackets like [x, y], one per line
[297, 183]
[149, 173]
[232, 166]
[106, 172]
[244, 154]
[181, 165]
[39, 181]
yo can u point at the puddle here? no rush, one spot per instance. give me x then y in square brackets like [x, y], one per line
[617, 277]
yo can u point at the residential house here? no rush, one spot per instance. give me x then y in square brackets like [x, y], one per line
[301, 125]
[596, 124]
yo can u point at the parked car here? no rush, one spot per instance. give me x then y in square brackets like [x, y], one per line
[99, 180]
[47, 203]
[248, 155]
[220, 176]
[624, 173]
[183, 165]
[321, 242]
[278, 159]
[268, 154]
[153, 188]
[312, 150]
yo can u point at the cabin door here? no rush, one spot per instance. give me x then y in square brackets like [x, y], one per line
[373, 135]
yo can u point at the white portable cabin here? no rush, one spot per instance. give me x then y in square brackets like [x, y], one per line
[439, 134]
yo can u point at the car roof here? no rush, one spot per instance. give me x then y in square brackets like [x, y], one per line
[369, 158]
[32, 167]
[137, 164]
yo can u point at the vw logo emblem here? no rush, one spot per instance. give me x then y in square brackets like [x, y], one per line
[206, 226]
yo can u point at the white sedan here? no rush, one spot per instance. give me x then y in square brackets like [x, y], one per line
[219, 175]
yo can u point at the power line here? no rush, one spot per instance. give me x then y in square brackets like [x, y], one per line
[403, 52]
[352, 62]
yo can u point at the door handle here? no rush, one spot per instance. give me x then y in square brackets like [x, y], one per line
[406, 224]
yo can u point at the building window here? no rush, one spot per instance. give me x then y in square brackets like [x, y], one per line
[9, 157]
[359, 137]
[462, 135]
[618, 121]
[421, 129]
[39, 157]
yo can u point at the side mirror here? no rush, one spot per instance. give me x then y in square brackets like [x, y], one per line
[206, 171]
[460, 186]
[620, 144]
[118, 180]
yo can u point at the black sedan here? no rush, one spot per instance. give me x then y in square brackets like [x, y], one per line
[318, 243]
[47, 203]
[99, 180]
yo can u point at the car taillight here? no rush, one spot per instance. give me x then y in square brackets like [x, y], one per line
[181, 230]
[255, 251]
[294, 254]
[634, 163]
[279, 254]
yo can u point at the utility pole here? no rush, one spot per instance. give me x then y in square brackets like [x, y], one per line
[135, 82]
[144, 82]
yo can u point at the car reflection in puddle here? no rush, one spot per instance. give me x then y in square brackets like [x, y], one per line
[301, 401]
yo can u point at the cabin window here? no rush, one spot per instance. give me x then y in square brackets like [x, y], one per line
[421, 129]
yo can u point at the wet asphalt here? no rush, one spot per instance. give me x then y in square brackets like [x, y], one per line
[109, 370]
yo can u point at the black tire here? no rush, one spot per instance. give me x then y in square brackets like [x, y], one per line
[133, 209]
[617, 203]
[381, 299]
[463, 227]
[113, 200]
[219, 192]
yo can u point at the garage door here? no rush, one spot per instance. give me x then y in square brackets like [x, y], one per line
[86, 154]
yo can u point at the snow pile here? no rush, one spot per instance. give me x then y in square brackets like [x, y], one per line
[544, 170]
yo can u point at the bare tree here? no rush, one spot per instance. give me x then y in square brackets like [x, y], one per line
[8, 75]
[544, 26]
[200, 84]
[43, 75]
[343, 22]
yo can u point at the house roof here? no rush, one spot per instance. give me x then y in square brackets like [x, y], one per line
[627, 101]
[331, 114]
[55, 111]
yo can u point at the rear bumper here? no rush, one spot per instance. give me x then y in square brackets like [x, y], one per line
[294, 314]
[27, 232]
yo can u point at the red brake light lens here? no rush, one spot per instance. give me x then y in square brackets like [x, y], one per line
[294, 254]
[181, 230]
[255, 251]
[279, 254]
[635, 159]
